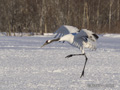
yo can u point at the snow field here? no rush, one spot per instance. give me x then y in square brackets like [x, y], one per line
[26, 66]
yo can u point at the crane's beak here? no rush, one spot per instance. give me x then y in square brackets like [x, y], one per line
[44, 44]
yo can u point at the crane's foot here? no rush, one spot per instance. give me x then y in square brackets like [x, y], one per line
[82, 74]
[69, 56]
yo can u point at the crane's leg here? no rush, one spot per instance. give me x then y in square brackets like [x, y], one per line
[84, 63]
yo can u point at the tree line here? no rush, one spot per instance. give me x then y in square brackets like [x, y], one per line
[44, 16]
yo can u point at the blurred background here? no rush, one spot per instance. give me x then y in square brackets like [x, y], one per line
[45, 16]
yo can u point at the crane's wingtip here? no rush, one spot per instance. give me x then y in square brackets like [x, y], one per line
[96, 36]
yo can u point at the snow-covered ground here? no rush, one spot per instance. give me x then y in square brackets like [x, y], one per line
[26, 66]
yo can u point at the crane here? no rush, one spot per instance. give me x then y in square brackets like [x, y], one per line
[78, 38]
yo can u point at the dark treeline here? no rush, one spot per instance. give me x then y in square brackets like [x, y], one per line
[42, 16]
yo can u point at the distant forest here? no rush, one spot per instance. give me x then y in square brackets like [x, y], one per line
[45, 16]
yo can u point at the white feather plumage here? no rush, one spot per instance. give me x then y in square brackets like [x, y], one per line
[79, 39]
[65, 29]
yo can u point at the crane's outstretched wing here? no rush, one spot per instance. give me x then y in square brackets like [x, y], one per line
[87, 33]
[65, 29]
[85, 38]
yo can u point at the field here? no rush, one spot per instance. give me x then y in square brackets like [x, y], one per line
[24, 65]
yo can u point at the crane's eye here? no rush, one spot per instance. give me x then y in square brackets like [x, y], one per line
[48, 41]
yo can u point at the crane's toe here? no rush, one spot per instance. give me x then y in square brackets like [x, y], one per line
[69, 56]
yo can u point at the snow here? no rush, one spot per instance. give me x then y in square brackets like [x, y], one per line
[112, 35]
[26, 66]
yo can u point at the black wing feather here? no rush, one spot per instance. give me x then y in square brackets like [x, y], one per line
[96, 36]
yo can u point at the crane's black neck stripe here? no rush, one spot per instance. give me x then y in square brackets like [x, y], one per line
[55, 40]
[96, 36]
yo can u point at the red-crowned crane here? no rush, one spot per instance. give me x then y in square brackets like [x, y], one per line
[75, 37]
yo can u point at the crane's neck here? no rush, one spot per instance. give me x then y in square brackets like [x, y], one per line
[53, 40]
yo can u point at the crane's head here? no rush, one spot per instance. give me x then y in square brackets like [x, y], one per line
[47, 42]
[50, 41]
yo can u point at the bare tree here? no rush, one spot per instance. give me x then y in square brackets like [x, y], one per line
[110, 12]
[118, 10]
[42, 16]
